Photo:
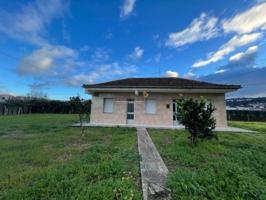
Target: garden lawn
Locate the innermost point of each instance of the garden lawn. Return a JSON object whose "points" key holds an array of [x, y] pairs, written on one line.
{"points": [[42, 157], [232, 167]]}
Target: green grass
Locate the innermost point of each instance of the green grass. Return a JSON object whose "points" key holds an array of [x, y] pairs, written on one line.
{"points": [[42, 157], [232, 167], [256, 126]]}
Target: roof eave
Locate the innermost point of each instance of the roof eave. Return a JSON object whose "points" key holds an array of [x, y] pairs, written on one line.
{"points": [[163, 90]]}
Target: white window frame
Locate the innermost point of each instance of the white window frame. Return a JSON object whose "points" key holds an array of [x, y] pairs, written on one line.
{"points": [[111, 109], [154, 111]]}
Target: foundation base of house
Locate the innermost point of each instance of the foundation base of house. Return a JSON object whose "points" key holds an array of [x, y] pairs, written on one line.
{"points": [[220, 129]]}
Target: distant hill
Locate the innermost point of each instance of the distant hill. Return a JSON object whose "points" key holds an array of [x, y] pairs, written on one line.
{"points": [[258, 103]]}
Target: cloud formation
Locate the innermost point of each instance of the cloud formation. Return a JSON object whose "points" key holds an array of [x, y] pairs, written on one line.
{"points": [[241, 70], [227, 48], [100, 55], [243, 55], [242, 60], [46, 59], [30, 23], [252, 80], [104, 71], [190, 75], [85, 48], [201, 29], [170, 73], [127, 8], [251, 20], [137, 54], [157, 57]]}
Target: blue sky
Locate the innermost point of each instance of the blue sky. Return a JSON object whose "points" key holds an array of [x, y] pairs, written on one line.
{"points": [[55, 46]]}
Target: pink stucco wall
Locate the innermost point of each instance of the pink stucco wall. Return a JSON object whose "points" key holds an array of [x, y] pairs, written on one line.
{"points": [[163, 116]]}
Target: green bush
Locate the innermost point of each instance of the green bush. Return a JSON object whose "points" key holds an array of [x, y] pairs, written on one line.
{"points": [[196, 116]]}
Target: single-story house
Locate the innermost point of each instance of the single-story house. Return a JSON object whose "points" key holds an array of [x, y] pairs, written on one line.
{"points": [[151, 101]]}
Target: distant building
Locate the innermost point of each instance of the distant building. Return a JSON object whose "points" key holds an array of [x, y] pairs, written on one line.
{"points": [[5, 97]]}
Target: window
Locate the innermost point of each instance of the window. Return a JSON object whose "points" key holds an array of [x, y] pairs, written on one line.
{"points": [[108, 105], [150, 106]]}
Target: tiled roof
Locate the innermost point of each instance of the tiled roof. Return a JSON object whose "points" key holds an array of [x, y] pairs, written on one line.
{"points": [[161, 83]]}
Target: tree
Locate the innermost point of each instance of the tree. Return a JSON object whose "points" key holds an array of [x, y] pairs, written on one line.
{"points": [[196, 116], [82, 108]]}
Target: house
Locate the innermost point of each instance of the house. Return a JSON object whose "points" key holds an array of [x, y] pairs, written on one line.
{"points": [[151, 101], [8, 97], [5, 97]]}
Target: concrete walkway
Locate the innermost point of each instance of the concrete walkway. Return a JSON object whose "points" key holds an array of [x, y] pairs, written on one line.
{"points": [[223, 129], [152, 167]]}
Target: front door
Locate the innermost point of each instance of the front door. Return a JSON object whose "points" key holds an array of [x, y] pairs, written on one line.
{"points": [[175, 113], [130, 111]]}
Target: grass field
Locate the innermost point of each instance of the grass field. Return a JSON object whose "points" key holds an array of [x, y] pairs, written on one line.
{"points": [[232, 167], [42, 157]]}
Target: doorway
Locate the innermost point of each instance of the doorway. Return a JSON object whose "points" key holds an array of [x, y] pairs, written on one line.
{"points": [[130, 111]]}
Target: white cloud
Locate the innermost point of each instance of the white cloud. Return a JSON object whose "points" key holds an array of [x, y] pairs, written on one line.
{"points": [[190, 75], [137, 54], [157, 57], [219, 71], [80, 79], [30, 23], [46, 59], [251, 79], [127, 8], [236, 57], [100, 55], [241, 61], [85, 48], [102, 71], [251, 20], [230, 46], [62, 65], [200, 29], [241, 55], [170, 73]]}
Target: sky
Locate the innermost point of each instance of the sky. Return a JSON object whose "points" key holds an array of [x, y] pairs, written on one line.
{"points": [[53, 47]]}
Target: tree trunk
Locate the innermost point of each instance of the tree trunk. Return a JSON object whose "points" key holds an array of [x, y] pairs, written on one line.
{"points": [[81, 125], [193, 138]]}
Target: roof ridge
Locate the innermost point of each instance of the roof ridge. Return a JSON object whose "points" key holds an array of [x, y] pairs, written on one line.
{"points": [[161, 82]]}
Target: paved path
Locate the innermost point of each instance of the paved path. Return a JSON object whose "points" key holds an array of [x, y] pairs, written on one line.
{"points": [[153, 169], [223, 129]]}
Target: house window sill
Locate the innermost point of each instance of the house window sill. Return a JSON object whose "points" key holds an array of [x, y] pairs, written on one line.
{"points": [[150, 113]]}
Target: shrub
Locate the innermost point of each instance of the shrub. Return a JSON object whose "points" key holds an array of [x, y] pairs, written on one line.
{"points": [[196, 116]]}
